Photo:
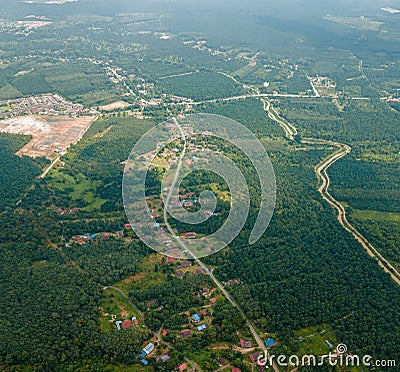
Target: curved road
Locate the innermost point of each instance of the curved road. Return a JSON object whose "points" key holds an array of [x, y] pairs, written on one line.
{"points": [[321, 171], [127, 298]]}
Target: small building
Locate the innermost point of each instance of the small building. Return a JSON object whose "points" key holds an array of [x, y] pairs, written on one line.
{"points": [[245, 344], [105, 235], [185, 333], [164, 332], [196, 318], [165, 358], [150, 303], [118, 324], [221, 361], [179, 273], [254, 357], [144, 362], [198, 271], [261, 368], [202, 327], [234, 369], [184, 265], [126, 324], [270, 342], [182, 367], [148, 349], [213, 300]]}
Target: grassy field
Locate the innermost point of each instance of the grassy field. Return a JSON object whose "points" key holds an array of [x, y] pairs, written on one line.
{"points": [[147, 277], [367, 215], [314, 340], [79, 188], [113, 303]]}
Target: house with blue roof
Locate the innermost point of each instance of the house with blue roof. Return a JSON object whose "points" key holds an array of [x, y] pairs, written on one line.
{"points": [[165, 358], [270, 342], [196, 318], [202, 327]]}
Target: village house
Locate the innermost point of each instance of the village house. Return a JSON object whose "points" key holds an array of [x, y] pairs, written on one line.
{"points": [[254, 357], [185, 333], [245, 344]]}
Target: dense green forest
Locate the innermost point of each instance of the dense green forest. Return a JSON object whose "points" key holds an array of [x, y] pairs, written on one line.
{"points": [[18, 173], [367, 185], [305, 275], [201, 86]]}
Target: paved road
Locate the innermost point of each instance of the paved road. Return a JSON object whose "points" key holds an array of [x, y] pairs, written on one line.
{"points": [[321, 170], [290, 130], [322, 173], [198, 261]]}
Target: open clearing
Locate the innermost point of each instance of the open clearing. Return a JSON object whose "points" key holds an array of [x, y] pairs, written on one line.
{"points": [[114, 106], [49, 134]]}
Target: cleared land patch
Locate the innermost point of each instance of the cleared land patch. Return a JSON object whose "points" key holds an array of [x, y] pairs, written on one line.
{"points": [[114, 106], [49, 134]]}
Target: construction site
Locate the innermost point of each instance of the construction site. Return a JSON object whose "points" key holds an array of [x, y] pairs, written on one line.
{"points": [[50, 135]]}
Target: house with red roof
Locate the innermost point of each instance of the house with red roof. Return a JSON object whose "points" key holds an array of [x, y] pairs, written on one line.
{"points": [[126, 324], [254, 357], [245, 344], [182, 367], [185, 333]]}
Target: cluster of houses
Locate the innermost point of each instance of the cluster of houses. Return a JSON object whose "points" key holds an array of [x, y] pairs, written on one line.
{"points": [[85, 238], [325, 82], [188, 235], [149, 103], [197, 318], [245, 344], [183, 265], [127, 323], [232, 282], [62, 211], [147, 350], [40, 105]]}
